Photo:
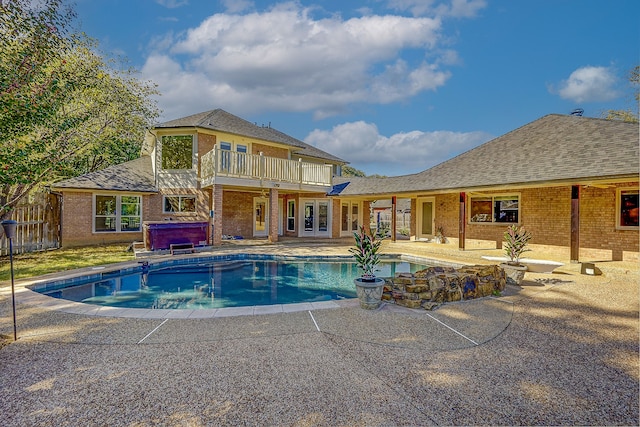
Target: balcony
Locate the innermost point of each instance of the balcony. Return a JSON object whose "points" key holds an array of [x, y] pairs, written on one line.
{"points": [[235, 168]]}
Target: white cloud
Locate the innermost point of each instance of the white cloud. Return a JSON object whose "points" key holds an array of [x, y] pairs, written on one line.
{"points": [[285, 60], [362, 145], [590, 84]]}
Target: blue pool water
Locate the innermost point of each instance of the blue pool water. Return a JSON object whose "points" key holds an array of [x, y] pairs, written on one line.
{"points": [[217, 284]]}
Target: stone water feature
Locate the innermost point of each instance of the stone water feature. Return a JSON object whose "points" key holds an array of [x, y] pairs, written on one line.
{"points": [[433, 286]]}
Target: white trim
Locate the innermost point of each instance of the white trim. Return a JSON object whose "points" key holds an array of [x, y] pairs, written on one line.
{"points": [[350, 204], [619, 208], [493, 196], [180, 197], [289, 202], [419, 202], [118, 213], [257, 233], [314, 232]]}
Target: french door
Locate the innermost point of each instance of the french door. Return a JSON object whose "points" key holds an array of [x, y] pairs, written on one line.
{"points": [[316, 218], [349, 218]]}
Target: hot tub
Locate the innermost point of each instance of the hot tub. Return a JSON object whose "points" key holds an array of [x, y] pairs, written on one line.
{"points": [[161, 235]]}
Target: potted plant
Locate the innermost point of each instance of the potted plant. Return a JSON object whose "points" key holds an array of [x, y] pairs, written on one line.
{"points": [[366, 253], [516, 239], [440, 237]]}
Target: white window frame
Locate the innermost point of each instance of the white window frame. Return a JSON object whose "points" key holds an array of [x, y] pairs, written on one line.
{"points": [[194, 160], [180, 197], [291, 214], [493, 198], [118, 213], [619, 192]]}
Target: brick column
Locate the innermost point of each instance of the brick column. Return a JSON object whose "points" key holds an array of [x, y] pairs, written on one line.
{"points": [[273, 215], [217, 214]]}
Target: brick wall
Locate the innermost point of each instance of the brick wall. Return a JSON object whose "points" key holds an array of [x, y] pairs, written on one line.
{"points": [[77, 217], [206, 143], [598, 233], [446, 210], [153, 205], [267, 150], [546, 213], [237, 213]]}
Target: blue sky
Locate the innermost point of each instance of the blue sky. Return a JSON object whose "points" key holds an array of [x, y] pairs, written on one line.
{"points": [[392, 86]]}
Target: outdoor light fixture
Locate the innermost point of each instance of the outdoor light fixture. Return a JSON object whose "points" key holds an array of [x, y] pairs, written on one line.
{"points": [[10, 227]]}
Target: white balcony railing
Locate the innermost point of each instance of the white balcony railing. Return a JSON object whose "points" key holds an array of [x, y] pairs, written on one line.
{"points": [[232, 164]]}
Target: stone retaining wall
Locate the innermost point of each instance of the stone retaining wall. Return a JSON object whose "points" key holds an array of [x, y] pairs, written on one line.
{"points": [[433, 286]]}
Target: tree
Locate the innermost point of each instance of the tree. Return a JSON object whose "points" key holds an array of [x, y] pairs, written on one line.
{"points": [[73, 113], [628, 115], [351, 171]]}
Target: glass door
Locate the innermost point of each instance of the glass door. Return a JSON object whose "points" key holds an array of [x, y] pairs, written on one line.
{"points": [[316, 218], [260, 217], [308, 217], [349, 218]]}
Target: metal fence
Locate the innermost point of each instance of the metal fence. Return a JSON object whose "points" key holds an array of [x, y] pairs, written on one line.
{"points": [[38, 227]]}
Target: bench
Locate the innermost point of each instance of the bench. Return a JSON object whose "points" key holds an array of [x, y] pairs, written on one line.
{"points": [[181, 248]]}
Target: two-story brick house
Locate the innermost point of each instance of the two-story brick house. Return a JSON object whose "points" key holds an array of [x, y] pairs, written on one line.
{"points": [[240, 179]]}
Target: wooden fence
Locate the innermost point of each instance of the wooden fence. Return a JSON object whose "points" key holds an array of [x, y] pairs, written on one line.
{"points": [[38, 227]]}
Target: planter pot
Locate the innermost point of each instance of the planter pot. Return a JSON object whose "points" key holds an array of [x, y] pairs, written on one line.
{"points": [[515, 273], [369, 293]]}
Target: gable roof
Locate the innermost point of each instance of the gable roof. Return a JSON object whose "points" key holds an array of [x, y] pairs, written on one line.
{"points": [[553, 149], [220, 120], [135, 176]]}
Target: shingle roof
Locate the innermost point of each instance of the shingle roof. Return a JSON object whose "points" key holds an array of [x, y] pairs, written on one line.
{"points": [[554, 148], [135, 176], [221, 120]]}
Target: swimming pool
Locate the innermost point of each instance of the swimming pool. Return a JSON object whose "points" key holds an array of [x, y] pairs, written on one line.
{"points": [[204, 283]]}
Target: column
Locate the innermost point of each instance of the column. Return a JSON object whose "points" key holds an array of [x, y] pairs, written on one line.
{"points": [[274, 218], [217, 214]]}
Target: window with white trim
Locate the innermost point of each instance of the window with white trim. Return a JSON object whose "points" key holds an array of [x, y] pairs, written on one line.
{"points": [[291, 215], [495, 209], [627, 211], [179, 203], [113, 213], [177, 152]]}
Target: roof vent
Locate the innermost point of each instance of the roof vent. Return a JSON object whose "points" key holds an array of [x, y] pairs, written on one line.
{"points": [[577, 112]]}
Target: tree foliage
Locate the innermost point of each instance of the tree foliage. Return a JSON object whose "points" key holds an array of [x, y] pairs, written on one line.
{"points": [[351, 171], [628, 115], [64, 109]]}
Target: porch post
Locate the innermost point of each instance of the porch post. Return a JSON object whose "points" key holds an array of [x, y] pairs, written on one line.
{"points": [[462, 222], [575, 223], [273, 215], [366, 215], [413, 223], [217, 214], [393, 218]]}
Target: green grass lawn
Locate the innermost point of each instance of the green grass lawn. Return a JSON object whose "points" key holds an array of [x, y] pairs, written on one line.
{"points": [[51, 261]]}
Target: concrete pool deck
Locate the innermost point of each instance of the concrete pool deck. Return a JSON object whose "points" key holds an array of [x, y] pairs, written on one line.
{"points": [[561, 349]]}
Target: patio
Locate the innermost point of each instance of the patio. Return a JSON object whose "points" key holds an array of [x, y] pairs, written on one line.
{"points": [[562, 349]]}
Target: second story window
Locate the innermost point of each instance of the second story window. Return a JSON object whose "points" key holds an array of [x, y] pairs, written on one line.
{"points": [[177, 152]]}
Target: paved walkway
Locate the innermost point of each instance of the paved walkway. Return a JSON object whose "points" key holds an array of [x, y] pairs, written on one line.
{"points": [[561, 349]]}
